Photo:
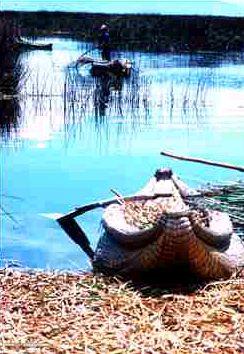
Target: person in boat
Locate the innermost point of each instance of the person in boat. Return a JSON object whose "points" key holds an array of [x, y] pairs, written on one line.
{"points": [[104, 42], [16, 32]]}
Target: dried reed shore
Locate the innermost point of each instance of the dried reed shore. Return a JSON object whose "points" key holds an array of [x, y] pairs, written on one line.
{"points": [[53, 312]]}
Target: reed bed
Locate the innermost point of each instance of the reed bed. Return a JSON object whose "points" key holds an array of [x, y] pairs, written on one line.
{"points": [[51, 312]]}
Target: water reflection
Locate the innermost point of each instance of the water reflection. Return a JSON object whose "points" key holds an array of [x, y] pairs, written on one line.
{"points": [[9, 117], [68, 137], [12, 75], [105, 84], [104, 99], [213, 60], [163, 88]]}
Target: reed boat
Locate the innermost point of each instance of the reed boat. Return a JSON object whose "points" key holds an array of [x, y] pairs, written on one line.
{"points": [[118, 67], [159, 230], [23, 45]]}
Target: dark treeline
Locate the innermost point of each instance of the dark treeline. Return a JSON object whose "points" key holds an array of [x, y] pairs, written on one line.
{"points": [[11, 74], [144, 32]]}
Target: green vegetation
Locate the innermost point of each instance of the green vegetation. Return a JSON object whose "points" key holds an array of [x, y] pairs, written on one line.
{"points": [[143, 32]]}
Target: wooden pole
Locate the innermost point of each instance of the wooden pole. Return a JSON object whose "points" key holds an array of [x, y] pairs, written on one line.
{"points": [[105, 203], [206, 162], [71, 227]]}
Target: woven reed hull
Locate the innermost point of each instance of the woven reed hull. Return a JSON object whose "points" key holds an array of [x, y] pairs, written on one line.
{"points": [[117, 228], [98, 70], [102, 67], [178, 240], [218, 233], [175, 246]]}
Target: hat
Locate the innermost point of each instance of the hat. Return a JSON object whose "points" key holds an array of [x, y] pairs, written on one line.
{"points": [[104, 27]]}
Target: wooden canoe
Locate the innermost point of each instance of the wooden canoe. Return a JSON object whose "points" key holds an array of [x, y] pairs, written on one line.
{"points": [[22, 46]]}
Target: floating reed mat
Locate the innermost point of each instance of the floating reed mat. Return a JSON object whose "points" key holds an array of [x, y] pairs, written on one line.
{"points": [[48, 312]]}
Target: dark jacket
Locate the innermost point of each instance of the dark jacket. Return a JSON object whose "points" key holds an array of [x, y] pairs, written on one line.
{"points": [[104, 39]]}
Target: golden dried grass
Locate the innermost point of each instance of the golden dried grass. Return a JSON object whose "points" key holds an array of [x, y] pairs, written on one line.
{"points": [[51, 312]]}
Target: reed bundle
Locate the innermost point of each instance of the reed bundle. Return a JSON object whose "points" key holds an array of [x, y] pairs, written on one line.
{"points": [[144, 214], [85, 313], [227, 198]]}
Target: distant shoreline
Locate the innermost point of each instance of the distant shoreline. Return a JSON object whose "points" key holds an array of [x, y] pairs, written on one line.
{"points": [[174, 33]]}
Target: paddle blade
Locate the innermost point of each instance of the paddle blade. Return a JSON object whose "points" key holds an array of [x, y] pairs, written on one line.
{"points": [[74, 231], [52, 216]]}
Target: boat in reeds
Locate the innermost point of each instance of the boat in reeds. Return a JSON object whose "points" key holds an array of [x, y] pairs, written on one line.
{"points": [[118, 67], [21, 45], [158, 229]]}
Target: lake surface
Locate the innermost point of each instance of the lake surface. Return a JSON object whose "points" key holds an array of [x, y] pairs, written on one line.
{"points": [[69, 138]]}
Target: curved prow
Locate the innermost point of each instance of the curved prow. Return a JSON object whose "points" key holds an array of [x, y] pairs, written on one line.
{"points": [[85, 59]]}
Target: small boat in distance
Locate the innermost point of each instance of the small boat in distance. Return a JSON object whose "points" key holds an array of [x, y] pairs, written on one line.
{"points": [[118, 67], [21, 45]]}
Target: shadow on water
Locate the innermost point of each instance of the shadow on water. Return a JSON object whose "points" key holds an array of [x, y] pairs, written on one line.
{"points": [[9, 117], [12, 78], [105, 85], [107, 98]]}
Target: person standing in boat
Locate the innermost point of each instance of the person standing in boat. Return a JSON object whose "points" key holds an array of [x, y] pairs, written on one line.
{"points": [[104, 42]]}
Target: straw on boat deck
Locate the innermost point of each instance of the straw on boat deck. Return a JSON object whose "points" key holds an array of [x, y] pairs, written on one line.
{"points": [[52, 312]]}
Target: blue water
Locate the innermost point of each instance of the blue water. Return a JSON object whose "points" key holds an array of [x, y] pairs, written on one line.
{"points": [[201, 7], [66, 147]]}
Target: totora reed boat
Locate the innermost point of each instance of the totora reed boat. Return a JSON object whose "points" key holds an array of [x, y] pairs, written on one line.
{"points": [[158, 229], [165, 233], [117, 67]]}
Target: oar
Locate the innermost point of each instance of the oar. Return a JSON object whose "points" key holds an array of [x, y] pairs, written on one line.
{"points": [[71, 227], [89, 50], [206, 162], [83, 54]]}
